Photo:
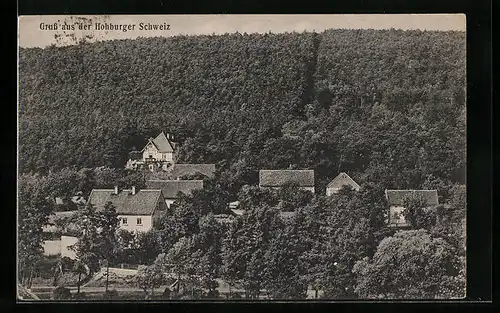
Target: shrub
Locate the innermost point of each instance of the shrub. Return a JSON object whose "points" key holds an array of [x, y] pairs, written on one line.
{"points": [[79, 296], [61, 293], [110, 294], [212, 294]]}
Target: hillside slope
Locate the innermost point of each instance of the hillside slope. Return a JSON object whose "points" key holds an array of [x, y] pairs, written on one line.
{"points": [[384, 105]]}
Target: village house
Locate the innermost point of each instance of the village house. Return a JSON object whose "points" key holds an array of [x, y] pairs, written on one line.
{"points": [[276, 179], [158, 153], [171, 188], [338, 182], [395, 198], [137, 210]]}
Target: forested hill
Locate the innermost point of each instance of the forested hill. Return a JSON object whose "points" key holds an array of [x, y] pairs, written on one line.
{"points": [[385, 106]]}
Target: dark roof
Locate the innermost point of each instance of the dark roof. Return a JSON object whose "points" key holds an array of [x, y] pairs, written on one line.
{"points": [[179, 170], [142, 203], [170, 188], [276, 178], [395, 197], [341, 180], [161, 143], [287, 215]]}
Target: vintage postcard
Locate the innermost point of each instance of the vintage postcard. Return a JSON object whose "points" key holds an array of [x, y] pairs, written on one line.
{"points": [[241, 157]]}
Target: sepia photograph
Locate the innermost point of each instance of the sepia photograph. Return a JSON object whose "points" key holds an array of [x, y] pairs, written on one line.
{"points": [[241, 157]]}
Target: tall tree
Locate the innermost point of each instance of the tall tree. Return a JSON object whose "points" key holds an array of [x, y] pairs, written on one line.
{"points": [[34, 208], [411, 265], [108, 231]]}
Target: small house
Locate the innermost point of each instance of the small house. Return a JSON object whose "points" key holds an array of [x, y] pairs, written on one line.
{"points": [[340, 181], [276, 179], [158, 153], [395, 198], [138, 210]]}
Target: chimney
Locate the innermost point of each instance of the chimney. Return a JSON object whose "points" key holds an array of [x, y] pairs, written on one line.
{"points": [[133, 190], [116, 190]]}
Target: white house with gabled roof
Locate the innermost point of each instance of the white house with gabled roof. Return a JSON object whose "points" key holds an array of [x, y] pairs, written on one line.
{"points": [[340, 181]]}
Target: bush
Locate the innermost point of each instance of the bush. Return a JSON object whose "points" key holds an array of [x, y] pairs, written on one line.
{"points": [[61, 293], [110, 294], [79, 296], [212, 294]]}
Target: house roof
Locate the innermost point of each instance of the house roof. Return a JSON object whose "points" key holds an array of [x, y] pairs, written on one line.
{"points": [[179, 170], [395, 197], [78, 199], [238, 211], [142, 203], [341, 180], [170, 188], [287, 215], [53, 218], [276, 178], [161, 143]]}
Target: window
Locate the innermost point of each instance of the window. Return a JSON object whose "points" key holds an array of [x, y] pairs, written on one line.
{"points": [[124, 221], [139, 221]]}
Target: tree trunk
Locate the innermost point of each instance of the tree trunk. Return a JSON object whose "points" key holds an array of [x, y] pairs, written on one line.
{"points": [[30, 278], [315, 293], [107, 277], [79, 279], [178, 283]]}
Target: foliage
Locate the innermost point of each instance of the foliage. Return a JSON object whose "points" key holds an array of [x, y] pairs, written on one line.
{"points": [[417, 213], [97, 238], [149, 278], [411, 265], [110, 294], [316, 101], [61, 293], [283, 270], [247, 102], [33, 212]]}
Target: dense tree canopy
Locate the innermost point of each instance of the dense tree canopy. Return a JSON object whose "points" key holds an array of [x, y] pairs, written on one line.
{"points": [[383, 105]]}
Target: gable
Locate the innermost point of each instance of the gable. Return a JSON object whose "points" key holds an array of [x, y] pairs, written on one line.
{"points": [[162, 144], [341, 180]]}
